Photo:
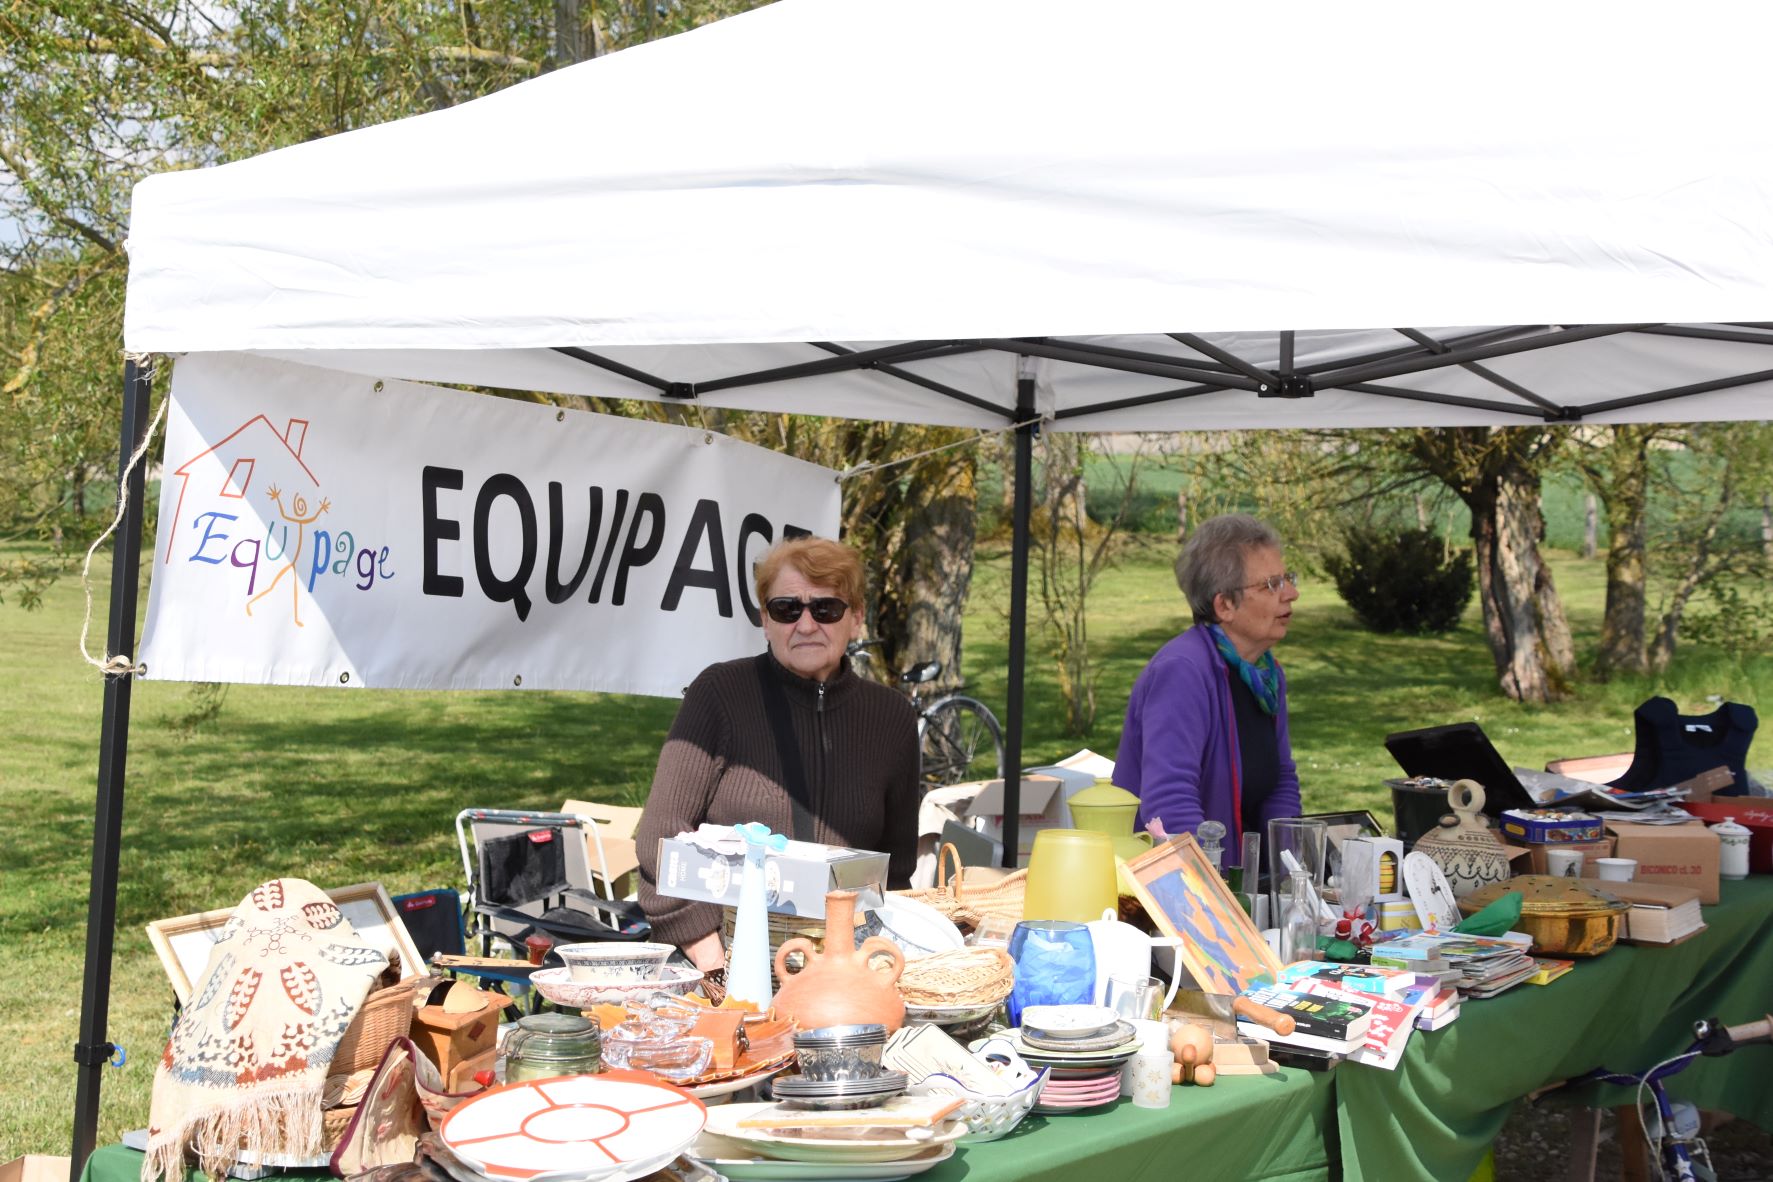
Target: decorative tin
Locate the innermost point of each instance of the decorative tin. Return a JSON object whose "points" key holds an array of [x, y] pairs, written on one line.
{"points": [[1551, 826], [1464, 847], [1564, 916]]}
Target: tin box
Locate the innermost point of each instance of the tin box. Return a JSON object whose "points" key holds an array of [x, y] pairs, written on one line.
{"points": [[1550, 826]]}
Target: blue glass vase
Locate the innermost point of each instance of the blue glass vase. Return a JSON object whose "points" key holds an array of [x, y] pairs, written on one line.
{"points": [[1055, 965]]}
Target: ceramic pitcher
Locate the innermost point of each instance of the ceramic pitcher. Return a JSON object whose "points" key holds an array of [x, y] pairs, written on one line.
{"points": [[1464, 846], [838, 987], [1124, 951]]}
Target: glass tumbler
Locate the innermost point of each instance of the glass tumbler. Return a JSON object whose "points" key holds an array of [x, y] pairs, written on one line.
{"points": [[1055, 965]]}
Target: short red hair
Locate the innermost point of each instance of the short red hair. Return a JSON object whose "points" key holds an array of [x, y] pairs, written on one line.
{"points": [[819, 560]]}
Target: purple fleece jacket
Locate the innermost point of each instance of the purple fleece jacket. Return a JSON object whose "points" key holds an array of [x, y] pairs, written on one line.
{"points": [[1178, 752]]}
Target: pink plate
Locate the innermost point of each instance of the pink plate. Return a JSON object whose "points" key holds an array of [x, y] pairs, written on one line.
{"points": [[579, 1127]]}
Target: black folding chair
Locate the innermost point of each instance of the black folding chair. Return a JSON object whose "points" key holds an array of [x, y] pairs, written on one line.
{"points": [[533, 873]]}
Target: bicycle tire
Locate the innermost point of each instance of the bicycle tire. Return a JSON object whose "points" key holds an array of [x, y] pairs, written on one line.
{"points": [[952, 734]]}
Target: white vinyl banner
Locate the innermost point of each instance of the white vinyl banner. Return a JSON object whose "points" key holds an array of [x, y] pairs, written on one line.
{"points": [[321, 528]]}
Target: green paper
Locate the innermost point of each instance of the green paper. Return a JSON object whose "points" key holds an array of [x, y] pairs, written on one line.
{"points": [[1498, 917]]}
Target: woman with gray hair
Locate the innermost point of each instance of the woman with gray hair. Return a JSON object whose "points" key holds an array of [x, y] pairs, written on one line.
{"points": [[1206, 731]]}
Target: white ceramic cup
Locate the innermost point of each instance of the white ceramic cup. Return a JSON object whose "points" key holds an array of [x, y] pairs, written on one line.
{"points": [[1564, 863], [1616, 869]]}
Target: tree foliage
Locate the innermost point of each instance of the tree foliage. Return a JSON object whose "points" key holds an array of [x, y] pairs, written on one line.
{"points": [[1405, 580], [97, 94]]}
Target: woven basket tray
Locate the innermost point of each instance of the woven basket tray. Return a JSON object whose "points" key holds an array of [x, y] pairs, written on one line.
{"points": [[386, 1015], [958, 977], [333, 1123]]}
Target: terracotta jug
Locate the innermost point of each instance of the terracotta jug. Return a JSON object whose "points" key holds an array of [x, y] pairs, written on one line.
{"points": [[837, 987]]}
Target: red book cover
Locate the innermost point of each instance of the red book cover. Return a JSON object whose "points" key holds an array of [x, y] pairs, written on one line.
{"points": [[1388, 1031]]}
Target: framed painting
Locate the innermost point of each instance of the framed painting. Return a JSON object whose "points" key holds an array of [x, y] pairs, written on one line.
{"points": [[1185, 897], [183, 942]]}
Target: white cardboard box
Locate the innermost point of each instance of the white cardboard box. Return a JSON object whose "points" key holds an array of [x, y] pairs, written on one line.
{"points": [[798, 877], [1042, 807]]}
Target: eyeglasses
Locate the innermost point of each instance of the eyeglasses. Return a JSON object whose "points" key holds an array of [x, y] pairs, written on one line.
{"points": [[1272, 582], [827, 609]]}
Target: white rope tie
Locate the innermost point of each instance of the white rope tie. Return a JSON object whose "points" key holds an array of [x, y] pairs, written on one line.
{"points": [[114, 665], [979, 437]]}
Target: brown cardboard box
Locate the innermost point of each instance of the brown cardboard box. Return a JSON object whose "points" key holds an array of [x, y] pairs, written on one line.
{"points": [[35, 1167], [615, 828], [1680, 855], [1536, 862], [460, 1026]]}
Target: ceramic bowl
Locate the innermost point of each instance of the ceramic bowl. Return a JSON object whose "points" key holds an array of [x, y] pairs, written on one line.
{"points": [[559, 987], [615, 962]]}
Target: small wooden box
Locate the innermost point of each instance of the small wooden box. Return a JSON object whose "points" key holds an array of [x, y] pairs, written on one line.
{"points": [[450, 1037]]}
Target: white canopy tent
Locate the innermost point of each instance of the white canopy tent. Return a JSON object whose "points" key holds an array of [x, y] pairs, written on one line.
{"points": [[1172, 215]]}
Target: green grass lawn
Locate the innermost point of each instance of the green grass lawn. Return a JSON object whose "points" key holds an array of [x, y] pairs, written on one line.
{"points": [[342, 786]]}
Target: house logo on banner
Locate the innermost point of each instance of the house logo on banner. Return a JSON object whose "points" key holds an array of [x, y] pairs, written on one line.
{"points": [[258, 472]]}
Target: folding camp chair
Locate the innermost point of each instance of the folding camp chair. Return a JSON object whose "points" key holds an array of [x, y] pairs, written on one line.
{"points": [[434, 921], [531, 873]]}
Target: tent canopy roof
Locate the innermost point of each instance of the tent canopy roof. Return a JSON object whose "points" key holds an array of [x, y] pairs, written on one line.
{"points": [[1179, 210]]}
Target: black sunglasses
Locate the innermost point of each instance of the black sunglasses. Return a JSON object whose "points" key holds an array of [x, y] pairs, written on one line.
{"points": [[827, 609]]}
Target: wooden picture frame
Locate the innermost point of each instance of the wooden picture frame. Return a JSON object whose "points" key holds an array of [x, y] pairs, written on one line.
{"points": [[183, 942], [1185, 897]]}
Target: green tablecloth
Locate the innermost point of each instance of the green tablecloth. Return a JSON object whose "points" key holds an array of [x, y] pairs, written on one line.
{"points": [[1436, 1115]]}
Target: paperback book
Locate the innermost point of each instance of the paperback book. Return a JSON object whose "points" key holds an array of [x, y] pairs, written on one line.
{"points": [[1388, 1028], [1363, 979], [1336, 1024]]}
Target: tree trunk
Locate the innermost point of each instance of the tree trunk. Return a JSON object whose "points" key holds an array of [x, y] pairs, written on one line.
{"points": [[924, 582], [1591, 524], [1181, 516], [569, 35], [1622, 626], [1523, 617], [1662, 649], [1767, 526]]}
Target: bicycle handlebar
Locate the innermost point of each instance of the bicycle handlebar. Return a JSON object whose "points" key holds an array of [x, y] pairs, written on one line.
{"points": [[1719, 1039]]}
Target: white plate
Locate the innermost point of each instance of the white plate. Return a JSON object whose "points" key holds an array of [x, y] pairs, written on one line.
{"points": [[1075, 1021], [766, 1169], [949, 1015], [726, 1087], [724, 1121], [917, 927], [621, 1124]]}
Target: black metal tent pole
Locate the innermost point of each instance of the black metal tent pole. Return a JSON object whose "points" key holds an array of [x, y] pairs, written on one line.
{"points": [[93, 1050], [1012, 748]]}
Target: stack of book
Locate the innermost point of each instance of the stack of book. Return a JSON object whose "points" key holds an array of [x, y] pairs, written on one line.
{"points": [[1660, 914], [1480, 966], [1334, 1024], [1363, 979], [1391, 1019], [1438, 1006]]}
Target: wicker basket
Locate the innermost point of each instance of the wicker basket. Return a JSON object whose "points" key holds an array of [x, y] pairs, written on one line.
{"points": [[967, 905], [386, 1015], [334, 1122], [958, 977]]}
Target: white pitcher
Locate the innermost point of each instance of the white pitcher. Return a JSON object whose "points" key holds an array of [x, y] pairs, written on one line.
{"points": [[1122, 950]]}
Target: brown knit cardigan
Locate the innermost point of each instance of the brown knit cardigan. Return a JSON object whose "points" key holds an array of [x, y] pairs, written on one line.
{"points": [[858, 744]]}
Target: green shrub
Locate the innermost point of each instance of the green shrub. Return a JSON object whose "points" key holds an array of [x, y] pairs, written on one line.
{"points": [[1402, 580]]}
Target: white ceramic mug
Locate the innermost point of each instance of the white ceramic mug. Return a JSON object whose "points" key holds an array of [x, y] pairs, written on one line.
{"points": [[1564, 863], [1616, 869]]}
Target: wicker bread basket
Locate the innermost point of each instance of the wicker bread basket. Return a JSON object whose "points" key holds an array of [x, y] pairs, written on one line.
{"points": [[958, 977], [966, 904], [386, 1015]]}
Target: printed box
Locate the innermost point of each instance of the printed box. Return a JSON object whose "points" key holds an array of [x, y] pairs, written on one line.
{"points": [[798, 877], [1680, 855]]}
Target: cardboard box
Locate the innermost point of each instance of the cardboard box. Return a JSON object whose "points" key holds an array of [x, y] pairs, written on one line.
{"points": [[1042, 806], [35, 1167], [798, 877], [615, 829], [1680, 855], [1536, 862], [459, 1024]]}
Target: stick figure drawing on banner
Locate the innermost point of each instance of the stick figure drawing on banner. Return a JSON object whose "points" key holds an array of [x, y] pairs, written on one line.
{"points": [[295, 516]]}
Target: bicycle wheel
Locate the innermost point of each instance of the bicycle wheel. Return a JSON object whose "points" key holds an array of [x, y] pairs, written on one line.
{"points": [[961, 741]]}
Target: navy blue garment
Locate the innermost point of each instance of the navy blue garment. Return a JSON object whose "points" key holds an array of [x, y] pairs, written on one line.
{"points": [[1672, 747]]}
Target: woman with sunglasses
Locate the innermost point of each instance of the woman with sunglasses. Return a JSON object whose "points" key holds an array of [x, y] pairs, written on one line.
{"points": [[792, 737], [1206, 730]]}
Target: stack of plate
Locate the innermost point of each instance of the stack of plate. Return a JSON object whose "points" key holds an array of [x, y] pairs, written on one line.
{"points": [[1074, 1091], [877, 1154], [838, 1093]]}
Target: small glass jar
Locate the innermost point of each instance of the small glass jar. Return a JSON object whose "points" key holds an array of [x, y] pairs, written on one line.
{"points": [[547, 1045]]}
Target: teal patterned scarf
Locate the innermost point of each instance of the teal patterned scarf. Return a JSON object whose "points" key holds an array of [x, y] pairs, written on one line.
{"points": [[1263, 677]]}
